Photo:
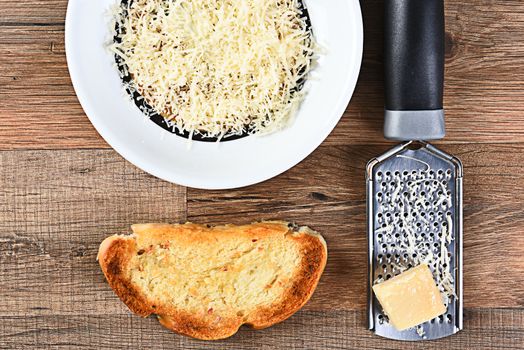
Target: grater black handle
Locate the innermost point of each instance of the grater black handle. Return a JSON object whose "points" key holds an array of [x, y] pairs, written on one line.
{"points": [[414, 69]]}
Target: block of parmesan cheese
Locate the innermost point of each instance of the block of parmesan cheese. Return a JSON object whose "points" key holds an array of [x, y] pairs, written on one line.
{"points": [[410, 298]]}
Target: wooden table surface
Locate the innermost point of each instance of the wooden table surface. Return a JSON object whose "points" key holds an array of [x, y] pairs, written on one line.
{"points": [[63, 189]]}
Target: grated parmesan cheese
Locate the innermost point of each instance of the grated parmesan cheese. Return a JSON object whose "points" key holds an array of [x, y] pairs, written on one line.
{"points": [[420, 331], [216, 67]]}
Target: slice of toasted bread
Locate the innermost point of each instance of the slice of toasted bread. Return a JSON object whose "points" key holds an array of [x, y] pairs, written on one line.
{"points": [[206, 282]]}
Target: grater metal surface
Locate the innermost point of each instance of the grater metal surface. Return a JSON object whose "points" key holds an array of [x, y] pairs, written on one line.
{"points": [[414, 209]]}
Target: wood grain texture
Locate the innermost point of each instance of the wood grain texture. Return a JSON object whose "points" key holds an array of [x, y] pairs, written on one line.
{"points": [[484, 329], [55, 209], [36, 95], [483, 94], [32, 12]]}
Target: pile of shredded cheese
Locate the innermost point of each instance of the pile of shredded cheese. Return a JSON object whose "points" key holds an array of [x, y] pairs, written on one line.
{"points": [[216, 67]]}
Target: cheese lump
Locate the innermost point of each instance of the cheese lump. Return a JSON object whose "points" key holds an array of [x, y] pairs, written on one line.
{"points": [[216, 67], [410, 298]]}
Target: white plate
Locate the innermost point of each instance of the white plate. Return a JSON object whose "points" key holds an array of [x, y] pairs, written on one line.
{"points": [[337, 26]]}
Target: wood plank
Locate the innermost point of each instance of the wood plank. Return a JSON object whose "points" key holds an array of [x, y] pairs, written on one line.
{"points": [[484, 329], [32, 12], [327, 192], [38, 105], [483, 95], [55, 209]]}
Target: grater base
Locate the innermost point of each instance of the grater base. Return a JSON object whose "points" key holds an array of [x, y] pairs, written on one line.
{"points": [[414, 205]]}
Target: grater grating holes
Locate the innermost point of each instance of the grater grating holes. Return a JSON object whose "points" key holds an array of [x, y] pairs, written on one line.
{"points": [[399, 193]]}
